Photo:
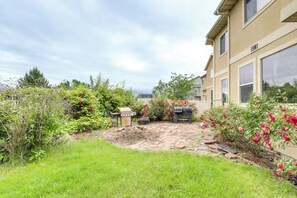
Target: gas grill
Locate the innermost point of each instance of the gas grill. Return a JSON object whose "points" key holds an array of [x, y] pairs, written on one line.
{"points": [[182, 113], [124, 116]]}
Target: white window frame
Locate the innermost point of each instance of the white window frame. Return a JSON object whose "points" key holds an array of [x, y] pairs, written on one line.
{"points": [[250, 83], [226, 43], [255, 62], [227, 99]]}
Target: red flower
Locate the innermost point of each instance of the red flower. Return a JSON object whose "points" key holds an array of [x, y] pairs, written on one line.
{"points": [[281, 166], [240, 129], [295, 163], [211, 119], [291, 174], [256, 139], [286, 137], [201, 117], [284, 128], [225, 116], [271, 117], [265, 132]]}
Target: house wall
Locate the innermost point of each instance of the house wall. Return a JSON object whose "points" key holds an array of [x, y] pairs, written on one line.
{"points": [[221, 61], [270, 36], [208, 83]]}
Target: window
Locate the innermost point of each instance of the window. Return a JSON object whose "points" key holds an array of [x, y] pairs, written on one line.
{"points": [[252, 7], [279, 73], [224, 43], [245, 82], [224, 86]]}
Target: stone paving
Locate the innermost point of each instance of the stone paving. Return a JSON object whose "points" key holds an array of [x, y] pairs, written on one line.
{"points": [[162, 136]]}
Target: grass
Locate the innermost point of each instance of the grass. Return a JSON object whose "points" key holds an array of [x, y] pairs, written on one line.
{"points": [[94, 168]]}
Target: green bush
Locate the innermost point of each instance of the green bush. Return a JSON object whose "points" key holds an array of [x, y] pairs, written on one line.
{"points": [[33, 116], [159, 109], [137, 107], [82, 102], [111, 97], [238, 124], [86, 124]]}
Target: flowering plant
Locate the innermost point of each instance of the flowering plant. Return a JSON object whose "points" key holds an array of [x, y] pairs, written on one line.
{"points": [[279, 129], [286, 169]]}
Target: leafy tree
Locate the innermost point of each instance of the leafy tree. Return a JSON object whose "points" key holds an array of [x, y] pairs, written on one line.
{"points": [[177, 88], [34, 78]]}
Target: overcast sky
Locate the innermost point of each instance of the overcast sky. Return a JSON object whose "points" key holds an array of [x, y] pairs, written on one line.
{"points": [[137, 41]]}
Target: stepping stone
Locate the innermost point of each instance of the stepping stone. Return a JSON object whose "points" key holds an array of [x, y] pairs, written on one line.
{"points": [[213, 146], [180, 145], [226, 148], [231, 156], [210, 141]]}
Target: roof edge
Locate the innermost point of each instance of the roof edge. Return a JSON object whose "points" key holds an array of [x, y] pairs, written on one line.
{"points": [[207, 64]]}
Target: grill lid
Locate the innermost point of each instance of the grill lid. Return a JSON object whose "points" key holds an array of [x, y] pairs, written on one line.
{"points": [[178, 110]]}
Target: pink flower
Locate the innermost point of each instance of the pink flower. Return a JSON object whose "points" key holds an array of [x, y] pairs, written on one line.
{"points": [[256, 139], [240, 129], [284, 128], [271, 117], [281, 166], [295, 163], [201, 117], [291, 173], [286, 137], [265, 132]]}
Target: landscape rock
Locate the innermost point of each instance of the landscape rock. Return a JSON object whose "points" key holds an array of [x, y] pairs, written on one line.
{"points": [[231, 156]]}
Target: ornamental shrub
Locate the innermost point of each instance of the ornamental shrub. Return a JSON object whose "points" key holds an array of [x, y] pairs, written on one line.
{"points": [[238, 124], [82, 102], [287, 168], [159, 109], [85, 124], [33, 116]]}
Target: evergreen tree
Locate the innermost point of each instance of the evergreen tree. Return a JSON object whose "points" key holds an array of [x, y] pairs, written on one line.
{"points": [[34, 78]]}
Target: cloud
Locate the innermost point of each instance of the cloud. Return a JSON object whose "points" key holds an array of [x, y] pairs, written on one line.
{"points": [[129, 62], [137, 41]]}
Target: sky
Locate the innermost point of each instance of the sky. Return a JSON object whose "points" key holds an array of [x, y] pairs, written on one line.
{"points": [[136, 41]]}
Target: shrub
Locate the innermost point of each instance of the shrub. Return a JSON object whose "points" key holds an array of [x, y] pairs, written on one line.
{"points": [[159, 108], [86, 124], [287, 168], [82, 102], [137, 107], [238, 124], [33, 116]]}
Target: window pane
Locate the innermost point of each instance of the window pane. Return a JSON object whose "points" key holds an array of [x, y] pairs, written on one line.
{"points": [[245, 92], [246, 74], [224, 84], [262, 3], [250, 9], [280, 73], [222, 43]]}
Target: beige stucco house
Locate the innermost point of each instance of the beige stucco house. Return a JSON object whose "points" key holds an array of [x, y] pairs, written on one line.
{"points": [[254, 47], [254, 50], [207, 81]]}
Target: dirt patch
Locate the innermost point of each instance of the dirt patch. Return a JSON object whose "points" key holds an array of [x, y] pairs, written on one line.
{"points": [[162, 136], [132, 135]]}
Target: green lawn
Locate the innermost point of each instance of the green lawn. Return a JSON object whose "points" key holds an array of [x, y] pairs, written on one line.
{"points": [[94, 168]]}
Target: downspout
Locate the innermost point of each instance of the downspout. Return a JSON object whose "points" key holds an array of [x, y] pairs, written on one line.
{"points": [[213, 78]]}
